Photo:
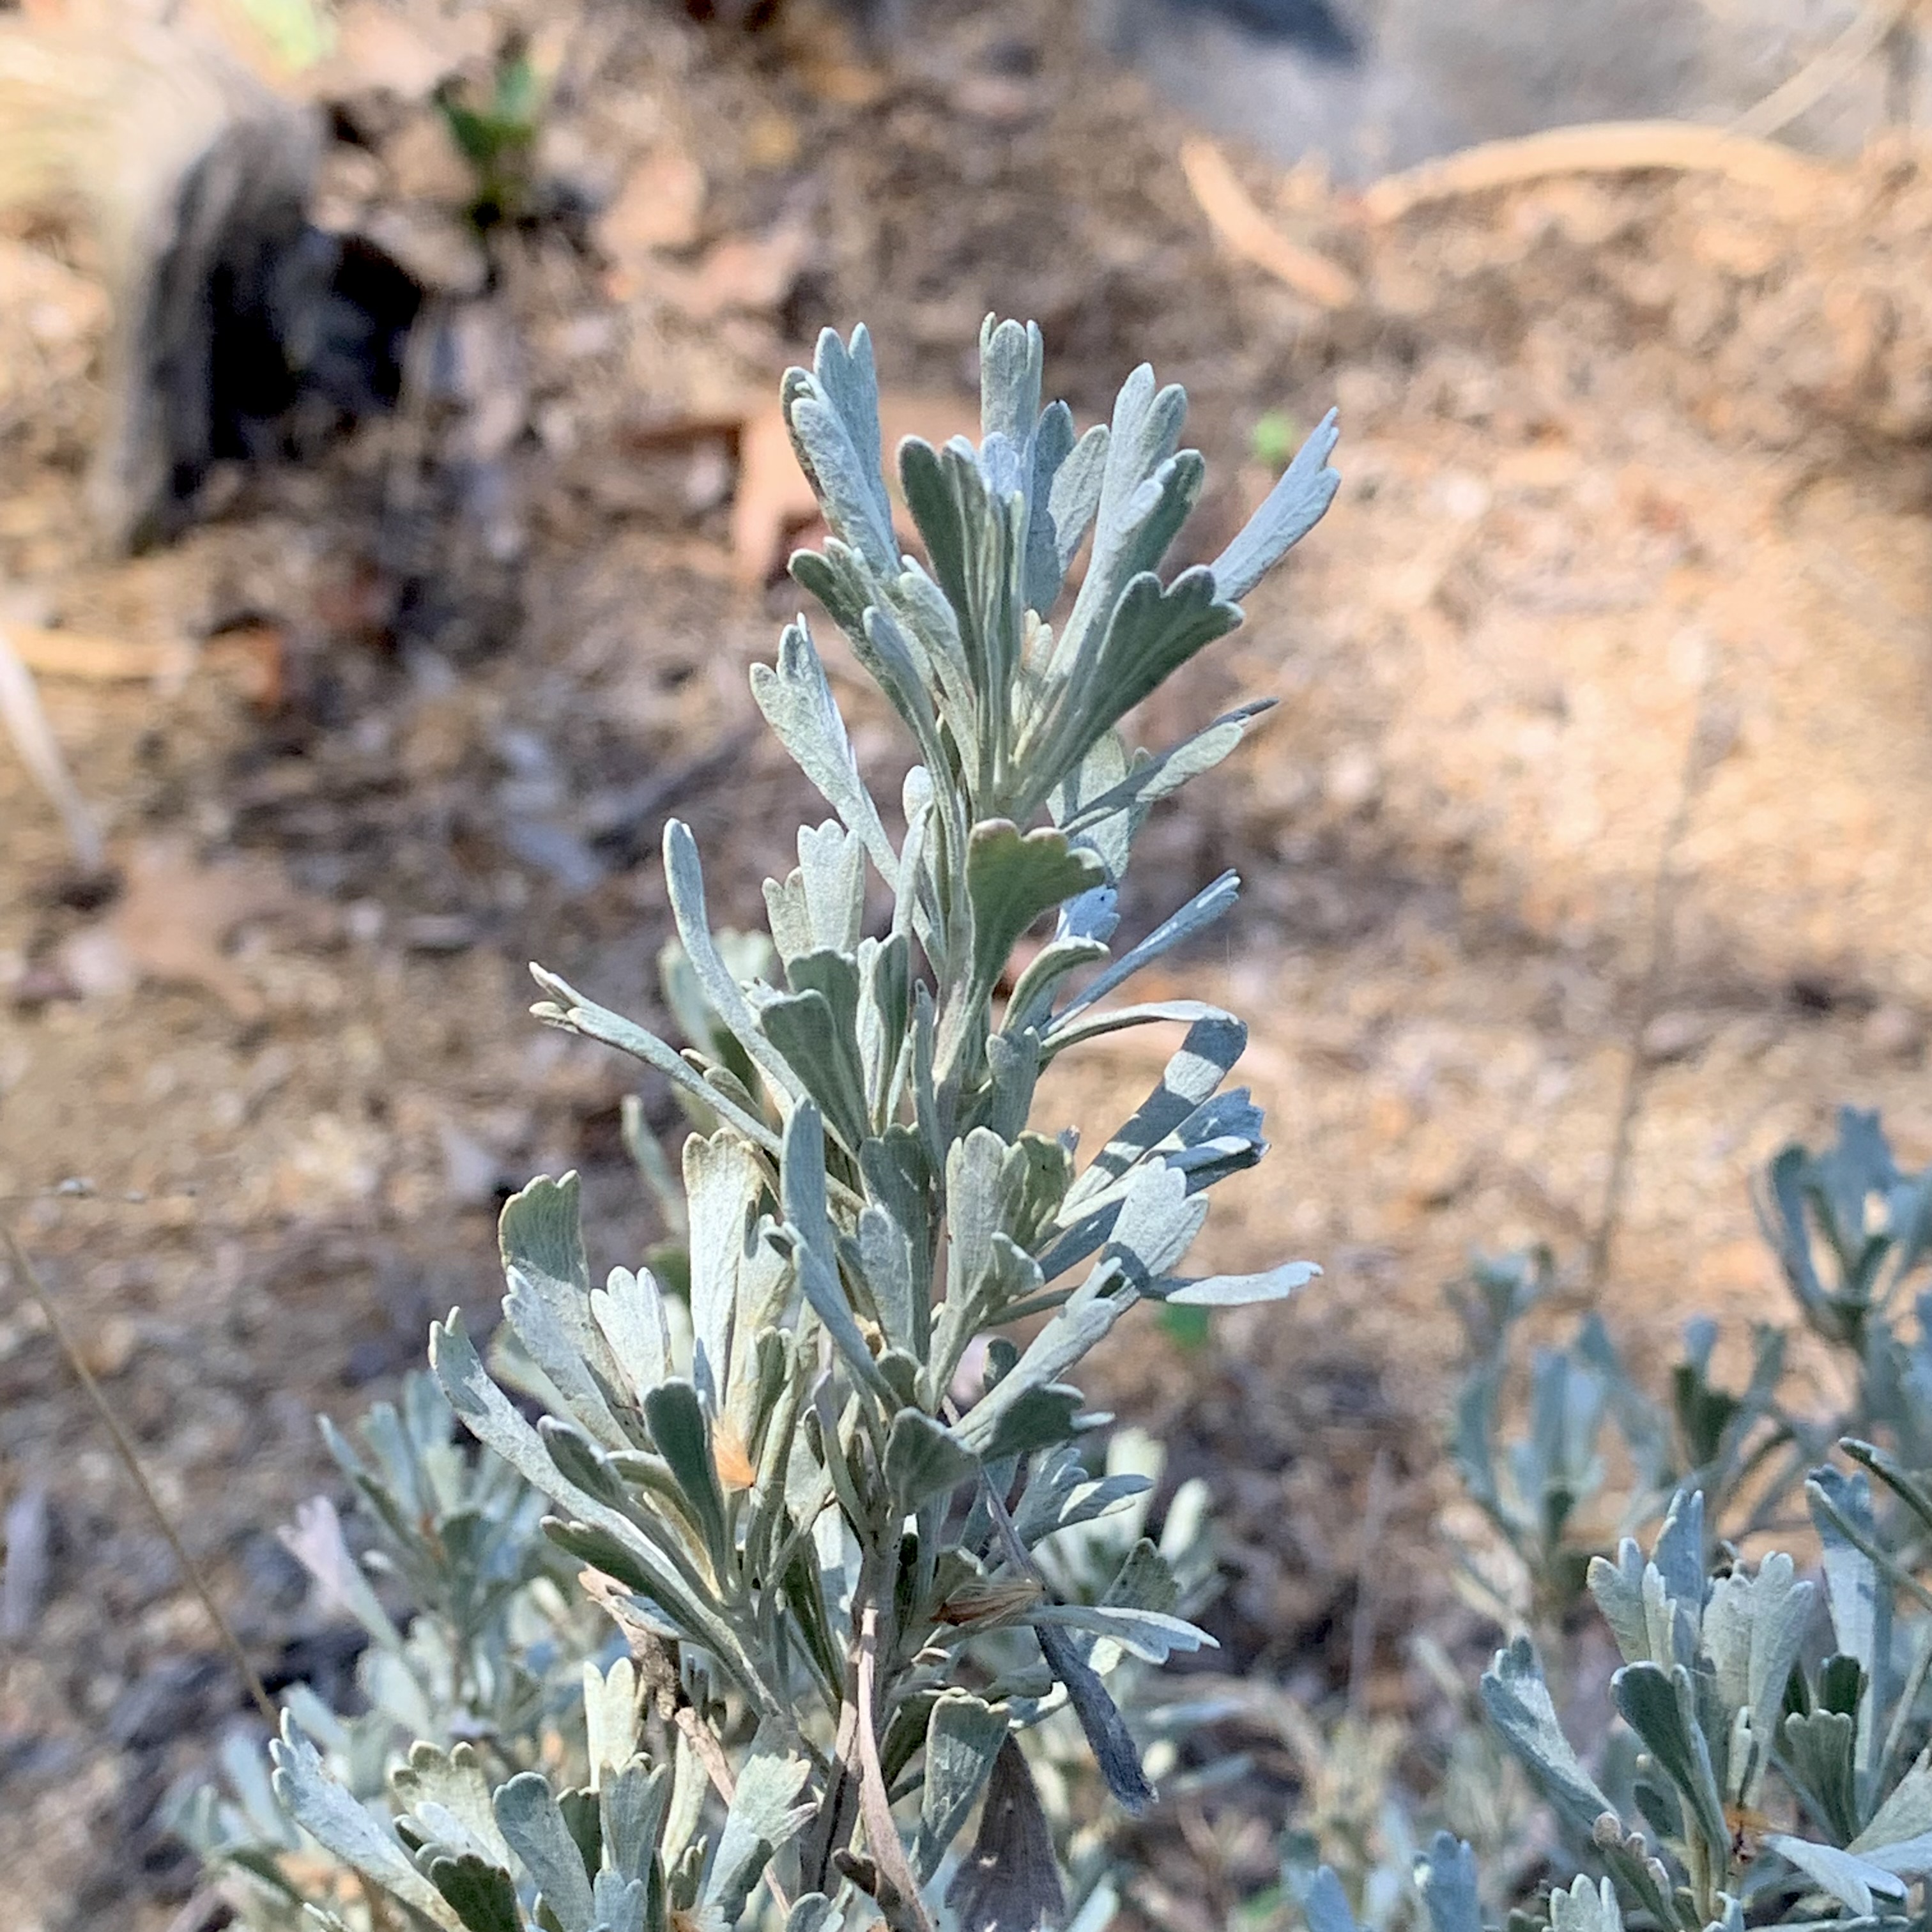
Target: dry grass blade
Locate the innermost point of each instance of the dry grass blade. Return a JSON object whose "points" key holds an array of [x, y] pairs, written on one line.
{"points": [[1246, 232], [1604, 147], [33, 737], [30, 1279]]}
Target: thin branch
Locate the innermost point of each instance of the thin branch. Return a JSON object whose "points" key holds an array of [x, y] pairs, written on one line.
{"points": [[1700, 754], [30, 1277], [882, 1835]]}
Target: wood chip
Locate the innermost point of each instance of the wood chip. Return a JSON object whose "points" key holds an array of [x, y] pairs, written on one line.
{"points": [[49, 653], [1245, 232]]}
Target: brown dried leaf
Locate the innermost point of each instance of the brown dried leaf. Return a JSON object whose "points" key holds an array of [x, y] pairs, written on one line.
{"points": [[660, 206], [175, 916], [744, 272]]}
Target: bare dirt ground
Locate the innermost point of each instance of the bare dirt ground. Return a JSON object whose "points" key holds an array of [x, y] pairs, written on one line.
{"points": [[1628, 583]]}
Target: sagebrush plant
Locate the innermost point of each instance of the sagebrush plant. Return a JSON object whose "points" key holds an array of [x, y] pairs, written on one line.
{"points": [[1764, 1759], [831, 1508]]}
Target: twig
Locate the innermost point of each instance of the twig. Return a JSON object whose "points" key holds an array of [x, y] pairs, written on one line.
{"points": [[1247, 233], [1602, 147], [39, 750], [1698, 757], [30, 1276], [875, 1807], [1860, 40], [1362, 1628], [97, 660]]}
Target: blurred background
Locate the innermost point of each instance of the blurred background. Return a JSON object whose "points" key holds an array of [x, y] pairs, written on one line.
{"points": [[392, 498]]}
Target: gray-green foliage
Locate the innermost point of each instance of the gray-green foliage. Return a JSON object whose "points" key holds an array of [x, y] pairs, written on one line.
{"points": [[1766, 1756], [832, 1506]]}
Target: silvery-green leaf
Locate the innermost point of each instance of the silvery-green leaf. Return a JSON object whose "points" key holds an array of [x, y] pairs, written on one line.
{"points": [[488, 1415], [1841, 1508], [1141, 442], [629, 1312], [1851, 1880], [1012, 878], [1585, 1907], [1236, 1291], [1677, 1555], [610, 1716], [832, 866], [1032, 993], [1053, 447], [1157, 1225], [813, 1913], [1009, 1880], [353, 1832], [316, 1541], [1011, 354], [1075, 497], [454, 1781], [722, 1182], [1518, 1702], [1908, 1858], [1117, 1019], [1617, 1588], [885, 1013], [1155, 629], [885, 1255], [528, 1815], [678, 1428], [798, 704], [548, 1304], [1325, 1905], [1905, 1815], [1073, 1329], [807, 1240], [1753, 1629], [684, 879], [1152, 1635], [569, 1009], [816, 1027], [963, 1737], [1038, 1416], [1661, 1707], [1062, 1496], [634, 1805], [482, 1895], [924, 1459], [620, 1902], [1821, 1750], [833, 414], [1106, 1730], [764, 1814], [1289, 511], [1199, 913], [1146, 784], [1215, 1041], [1445, 1874], [1861, 1603]]}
